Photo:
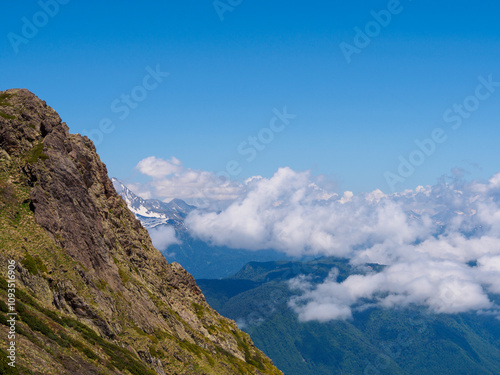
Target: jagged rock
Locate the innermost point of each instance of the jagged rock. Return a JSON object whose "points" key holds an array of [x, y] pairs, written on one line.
{"points": [[92, 262]]}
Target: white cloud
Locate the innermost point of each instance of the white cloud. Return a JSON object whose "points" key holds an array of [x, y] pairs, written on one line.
{"points": [[163, 236], [170, 179], [440, 245], [425, 237], [289, 213], [444, 287], [156, 167], [489, 267]]}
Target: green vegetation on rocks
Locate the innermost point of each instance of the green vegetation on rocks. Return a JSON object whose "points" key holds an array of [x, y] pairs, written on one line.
{"points": [[93, 294]]}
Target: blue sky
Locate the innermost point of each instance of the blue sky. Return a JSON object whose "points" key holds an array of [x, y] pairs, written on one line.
{"points": [[353, 120]]}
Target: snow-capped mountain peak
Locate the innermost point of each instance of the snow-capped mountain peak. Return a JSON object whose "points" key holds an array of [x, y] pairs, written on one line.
{"points": [[153, 212]]}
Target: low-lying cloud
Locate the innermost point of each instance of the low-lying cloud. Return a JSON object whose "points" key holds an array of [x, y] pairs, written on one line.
{"points": [[440, 245], [163, 236], [290, 213]]}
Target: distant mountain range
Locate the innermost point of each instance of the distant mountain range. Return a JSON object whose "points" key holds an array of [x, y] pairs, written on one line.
{"points": [[376, 341], [253, 288], [153, 212], [199, 258]]}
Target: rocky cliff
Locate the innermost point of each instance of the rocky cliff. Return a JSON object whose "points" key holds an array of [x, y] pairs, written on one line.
{"points": [[93, 294]]}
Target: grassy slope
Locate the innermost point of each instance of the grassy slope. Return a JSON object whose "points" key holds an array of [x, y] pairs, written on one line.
{"points": [[48, 341]]}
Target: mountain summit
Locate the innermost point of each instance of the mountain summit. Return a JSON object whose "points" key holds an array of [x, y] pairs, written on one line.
{"points": [[153, 212], [93, 295]]}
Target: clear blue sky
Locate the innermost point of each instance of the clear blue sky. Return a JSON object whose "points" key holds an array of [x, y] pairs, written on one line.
{"points": [[353, 120]]}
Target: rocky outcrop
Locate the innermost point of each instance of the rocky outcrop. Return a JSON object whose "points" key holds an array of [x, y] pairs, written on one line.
{"points": [[88, 270]]}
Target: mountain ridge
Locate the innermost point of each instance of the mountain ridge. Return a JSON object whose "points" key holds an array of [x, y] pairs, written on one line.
{"points": [[94, 295], [201, 259], [153, 212]]}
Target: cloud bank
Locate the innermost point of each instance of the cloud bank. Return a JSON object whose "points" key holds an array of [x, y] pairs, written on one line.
{"points": [[163, 236], [170, 179], [440, 245]]}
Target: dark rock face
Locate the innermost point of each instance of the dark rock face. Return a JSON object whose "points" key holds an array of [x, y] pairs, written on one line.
{"points": [[97, 263]]}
